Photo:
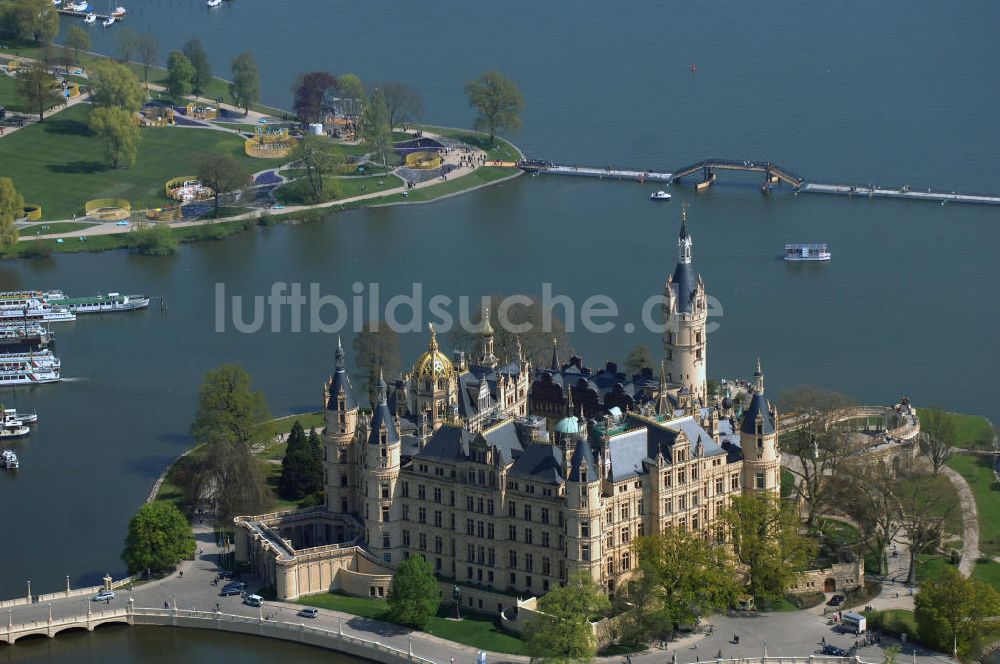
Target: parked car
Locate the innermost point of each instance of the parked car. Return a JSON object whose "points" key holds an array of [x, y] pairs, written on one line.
{"points": [[234, 588], [834, 651], [104, 596], [836, 600], [308, 613], [254, 600]]}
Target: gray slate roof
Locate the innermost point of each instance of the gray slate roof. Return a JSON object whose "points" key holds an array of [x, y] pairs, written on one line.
{"points": [[539, 462]]}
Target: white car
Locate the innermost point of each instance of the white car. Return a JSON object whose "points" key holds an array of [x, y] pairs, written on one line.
{"points": [[104, 596]]}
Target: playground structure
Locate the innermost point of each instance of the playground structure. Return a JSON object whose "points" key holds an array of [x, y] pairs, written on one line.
{"points": [[155, 116], [423, 160], [169, 213], [32, 212], [201, 112], [187, 188], [108, 209], [269, 143]]}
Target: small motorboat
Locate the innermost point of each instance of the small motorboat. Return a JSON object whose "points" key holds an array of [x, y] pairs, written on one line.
{"points": [[119, 12], [9, 460], [659, 196], [109, 21], [78, 6], [56, 2], [214, 3], [90, 18]]}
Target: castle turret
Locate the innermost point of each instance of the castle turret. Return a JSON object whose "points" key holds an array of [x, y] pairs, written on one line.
{"points": [[583, 513], [340, 415], [487, 359], [685, 314], [759, 441], [383, 512]]}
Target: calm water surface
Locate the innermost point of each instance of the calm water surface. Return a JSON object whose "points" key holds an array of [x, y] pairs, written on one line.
{"points": [[892, 94]]}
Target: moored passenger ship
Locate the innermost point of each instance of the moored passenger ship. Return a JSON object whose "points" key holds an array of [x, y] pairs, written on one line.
{"points": [[34, 310], [806, 252], [26, 374], [98, 303]]}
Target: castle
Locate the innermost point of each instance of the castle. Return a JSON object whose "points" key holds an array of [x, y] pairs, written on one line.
{"points": [[507, 478]]}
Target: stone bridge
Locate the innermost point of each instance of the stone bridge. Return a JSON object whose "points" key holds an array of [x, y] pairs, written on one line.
{"points": [[51, 627]]}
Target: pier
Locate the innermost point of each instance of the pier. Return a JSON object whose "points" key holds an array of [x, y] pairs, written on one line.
{"points": [[774, 175]]}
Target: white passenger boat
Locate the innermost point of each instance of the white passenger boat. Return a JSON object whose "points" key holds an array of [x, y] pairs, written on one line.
{"points": [[23, 375], [11, 427], [43, 358], [35, 311], [98, 303], [806, 252], [659, 196], [8, 460]]}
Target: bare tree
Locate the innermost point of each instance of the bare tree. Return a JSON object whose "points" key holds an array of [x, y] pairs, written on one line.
{"points": [[403, 102], [924, 507], [937, 434], [938, 451], [868, 498]]}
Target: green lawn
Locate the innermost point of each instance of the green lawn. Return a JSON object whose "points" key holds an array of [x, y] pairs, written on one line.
{"points": [[988, 571], [480, 176], [291, 194], [930, 568], [11, 97], [503, 150], [307, 420], [897, 621], [971, 431], [60, 165], [978, 472], [474, 630]]}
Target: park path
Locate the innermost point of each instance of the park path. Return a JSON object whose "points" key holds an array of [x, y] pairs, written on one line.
{"points": [[970, 520]]}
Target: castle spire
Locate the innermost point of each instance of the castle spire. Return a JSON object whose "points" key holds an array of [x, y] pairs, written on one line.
{"points": [[339, 355], [555, 355], [381, 398], [758, 379], [433, 345], [684, 239]]}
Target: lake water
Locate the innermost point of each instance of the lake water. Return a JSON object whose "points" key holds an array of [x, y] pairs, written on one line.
{"points": [[900, 93]]}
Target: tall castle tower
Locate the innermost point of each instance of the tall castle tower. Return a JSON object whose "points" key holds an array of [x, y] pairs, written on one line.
{"points": [[759, 441], [583, 513], [685, 314], [435, 385], [380, 477], [340, 414]]}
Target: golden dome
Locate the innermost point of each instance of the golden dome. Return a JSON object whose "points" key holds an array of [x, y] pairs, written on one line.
{"points": [[432, 364]]}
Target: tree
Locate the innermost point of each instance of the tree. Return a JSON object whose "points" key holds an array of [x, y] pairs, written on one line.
{"points": [[11, 209], [36, 19], [925, 504], [867, 497], [114, 85], [155, 240], [314, 94], [245, 88], [955, 613], [415, 597], [809, 399], [638, 359], [180, 75], [375, 126], [158, 538], [77, 40], [498, 102], [376, 350], [232, 421], [402, 102], [350, 89], [196, 54], [683, 576], [319, 157], [765, 538], [937, 433], [128, 43], [222, 173], [535, 342], [147, 49], [301, 469], [117, 129], [562, 633], [38, 88]]}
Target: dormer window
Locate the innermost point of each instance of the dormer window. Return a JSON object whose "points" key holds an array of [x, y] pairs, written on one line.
{"points": [[583, 474]]}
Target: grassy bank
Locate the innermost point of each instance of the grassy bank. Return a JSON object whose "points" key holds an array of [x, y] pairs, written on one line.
{"points": [[478, 631], [972, 432], [978, 472]]}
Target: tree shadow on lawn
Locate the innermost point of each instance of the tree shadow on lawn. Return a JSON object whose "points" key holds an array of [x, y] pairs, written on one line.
{"points": [[78, 167], [66, 127]]}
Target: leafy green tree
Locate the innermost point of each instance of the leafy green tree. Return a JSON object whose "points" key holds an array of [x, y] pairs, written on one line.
{"points": [[319, 157], [402, 102], [128, 43], [118, 131], [114, 85], [222, 173], [954, 613], [196, 54], [562, 634], [765, 539], [36, 19], [376, 349], [180, 75], [155, 240], [638, 358], [11, 209], [350, 87], [38, 88], [498, 102], [245, 88], [147, 49], [314, 93], [682, 577], [375, 126], [77, 40], [302, 468], [415, 597], [158, 538]]}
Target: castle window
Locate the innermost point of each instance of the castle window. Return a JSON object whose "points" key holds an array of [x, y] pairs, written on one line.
{"points": [[511, 509], [384, 488], [718, 485], [760, 480], [626, 535], [609, 517], [626, 561], [512, 560], [545, 515], [668, 505], [489, 532], [422, 541], [624, 511], [421, 492], [343, 480], [480, 529], [681, 475], [734, 482], [512, 533], [545, 538], [546, 566], [406, 489], [386, 542], [682, 503], [437, 494], [470, 553], [470, 527], [491, 560], [529, 562], [609, 539], [469, 502], [406, 512], [422, 515], [529, 536], [642, 507], [583, 474], [342, 456], [438, 518], [406, 538], [527, 512], [385, 514], [489, 506], [479, 504], [387, 558], [585, 552], [611, 565]]}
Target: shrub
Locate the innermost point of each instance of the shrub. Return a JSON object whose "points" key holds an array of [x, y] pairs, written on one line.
{"points": [[156, 240]]}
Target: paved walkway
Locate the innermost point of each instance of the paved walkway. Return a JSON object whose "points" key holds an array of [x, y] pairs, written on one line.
{"points": [[970, 520]]}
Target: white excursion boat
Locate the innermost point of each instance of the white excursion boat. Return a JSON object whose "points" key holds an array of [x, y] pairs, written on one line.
{"points": [[28, 375], [12, 427], [659, 196], [90, 18], [806, 252], [35, 310], [8, 460], [43, 359], [25, 418], [98, 303]]}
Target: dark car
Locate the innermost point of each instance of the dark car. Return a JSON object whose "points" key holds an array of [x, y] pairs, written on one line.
{"points": [[834, 651], [836, 600], [235, 588], [225, 574]]}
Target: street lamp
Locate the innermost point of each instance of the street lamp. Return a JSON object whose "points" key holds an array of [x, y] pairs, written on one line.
{"points": [[50, 613]]}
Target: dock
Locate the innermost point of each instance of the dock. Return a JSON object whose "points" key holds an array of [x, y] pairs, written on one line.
{"points": [[100, 17], [774, 175]]}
